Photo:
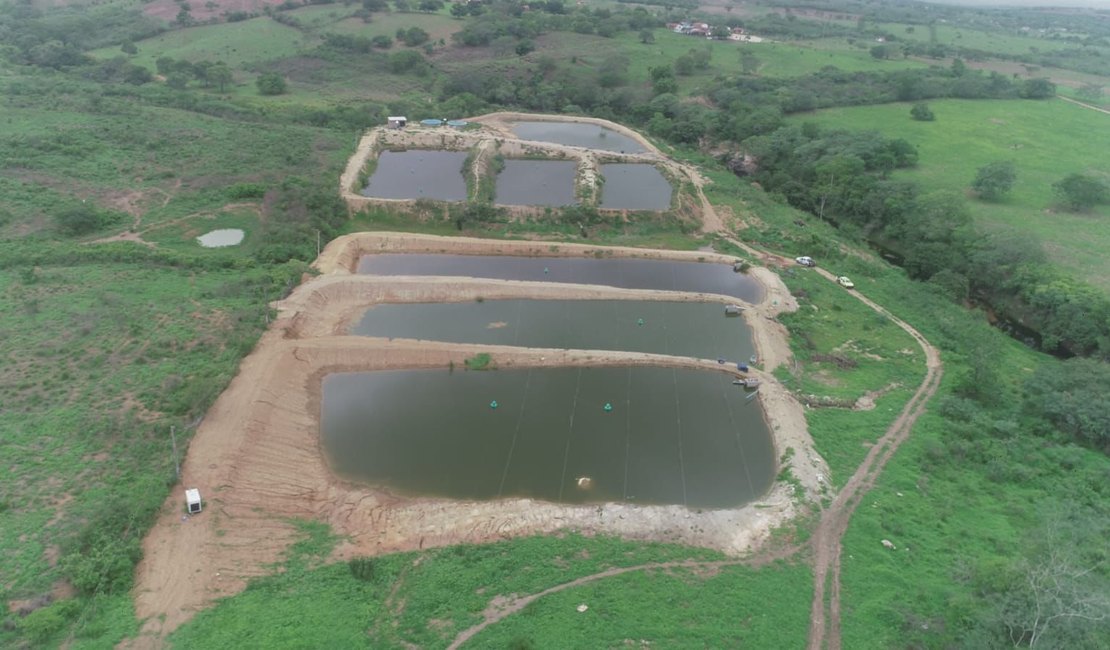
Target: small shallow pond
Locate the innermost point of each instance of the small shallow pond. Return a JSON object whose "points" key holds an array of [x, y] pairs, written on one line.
{"points": [[688, 329], [626, 273], [222, 237], [669, 436], [634, 187], [536, 182], [418, 174], [577, 134]]}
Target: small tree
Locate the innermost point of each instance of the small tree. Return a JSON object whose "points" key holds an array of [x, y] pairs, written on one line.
{"points": [[271, 83], [749, 62], [994, 180], [1079, 191], [220, 75], [647, 37], [922, 113], [128, 47]]}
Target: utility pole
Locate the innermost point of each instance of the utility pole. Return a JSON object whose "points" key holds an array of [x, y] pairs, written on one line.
{"points": [[176, 465], [317, 243]]}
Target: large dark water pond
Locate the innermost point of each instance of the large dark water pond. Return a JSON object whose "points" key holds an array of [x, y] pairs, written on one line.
{"points": [[536, 182], [577, 135], [634, 187], [678, 328], [671, 437], [661, 275], [418, 174]]}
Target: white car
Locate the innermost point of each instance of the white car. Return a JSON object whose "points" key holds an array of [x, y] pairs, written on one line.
{"points": [[845, 282], [805, 261]]}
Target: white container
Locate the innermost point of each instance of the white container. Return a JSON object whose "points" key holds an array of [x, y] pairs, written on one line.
{"points": [[192, 501]]}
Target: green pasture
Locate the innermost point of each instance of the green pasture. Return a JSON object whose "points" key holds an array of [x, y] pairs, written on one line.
{"points": [[165, 163], [1046, 140], [975, 39], [732, 607], [426, 598], [776, 59], [437, 25], [101, 358], [237, 44]]}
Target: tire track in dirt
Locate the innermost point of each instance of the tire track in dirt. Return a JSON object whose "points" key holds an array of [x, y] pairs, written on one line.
{"points": [[500, 609], [824, 630], [826, 542]]}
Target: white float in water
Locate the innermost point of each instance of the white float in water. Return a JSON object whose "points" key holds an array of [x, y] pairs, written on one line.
{"points": [[221, 238]]}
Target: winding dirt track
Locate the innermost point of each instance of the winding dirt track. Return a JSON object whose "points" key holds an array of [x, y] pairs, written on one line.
{"points": [[826, 541], [824, 631]]}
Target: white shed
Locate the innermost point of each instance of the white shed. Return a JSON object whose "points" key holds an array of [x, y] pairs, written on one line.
{"points": [[397, 121], [192, 500]]}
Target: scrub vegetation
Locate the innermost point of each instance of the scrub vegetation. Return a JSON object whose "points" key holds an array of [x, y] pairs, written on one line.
{"points": [[150, 131]]}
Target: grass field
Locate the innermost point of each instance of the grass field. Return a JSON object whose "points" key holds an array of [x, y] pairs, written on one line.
{"points": [[776, 59], [237, 44], [975, 39], [1046, 140], [425, 599]]}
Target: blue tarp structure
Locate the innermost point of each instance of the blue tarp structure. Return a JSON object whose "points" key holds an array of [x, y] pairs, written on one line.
{"points": [[431, 122], [457, 123]]}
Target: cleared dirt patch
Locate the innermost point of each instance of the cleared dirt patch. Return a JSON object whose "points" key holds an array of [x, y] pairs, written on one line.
{"points": [[256, 457]]}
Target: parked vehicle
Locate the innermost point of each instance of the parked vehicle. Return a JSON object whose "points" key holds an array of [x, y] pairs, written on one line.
{"points": [[805, 261], [845, 282]]}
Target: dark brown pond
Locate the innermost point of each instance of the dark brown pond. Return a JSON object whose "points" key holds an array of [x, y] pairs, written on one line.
{"points": [[570, 435]]}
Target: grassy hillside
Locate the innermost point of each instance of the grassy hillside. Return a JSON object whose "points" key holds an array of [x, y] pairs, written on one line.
{"points": [[967, 135]]}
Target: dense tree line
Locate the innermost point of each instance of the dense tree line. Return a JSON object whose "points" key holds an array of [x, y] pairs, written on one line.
{"points": [[843, 177]]}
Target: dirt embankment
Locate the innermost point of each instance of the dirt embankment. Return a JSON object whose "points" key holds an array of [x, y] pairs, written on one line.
{"points": [[496, 130], [257, 460]]}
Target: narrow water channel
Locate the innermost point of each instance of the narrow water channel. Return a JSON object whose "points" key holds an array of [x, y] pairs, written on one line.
{"points": [[626, 273], [689, 329]]}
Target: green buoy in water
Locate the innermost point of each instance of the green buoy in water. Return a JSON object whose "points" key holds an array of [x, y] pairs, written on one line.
{"points": [[640, 321], [608, 407], [493, 404]]}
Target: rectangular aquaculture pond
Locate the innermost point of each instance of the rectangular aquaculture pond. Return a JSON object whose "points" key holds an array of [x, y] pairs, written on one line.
{"points": [[634, 187], [418, 174], [570, 435], [689, 329], [536, 182], [623, 272], [577, 134]]}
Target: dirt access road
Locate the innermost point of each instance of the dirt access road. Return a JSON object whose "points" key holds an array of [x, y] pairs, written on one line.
{"points": [[826, 542]]}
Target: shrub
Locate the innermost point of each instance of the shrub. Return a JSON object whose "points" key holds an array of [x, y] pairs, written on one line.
{"points": [[362, 568], [271, 83], [922, 113]]}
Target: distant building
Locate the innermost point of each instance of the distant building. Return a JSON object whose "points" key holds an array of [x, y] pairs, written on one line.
{"points": [[397, 122]]}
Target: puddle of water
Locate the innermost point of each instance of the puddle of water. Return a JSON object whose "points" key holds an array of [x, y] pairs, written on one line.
{"points": [[669, 437], [686, 329], [537, 182], [418, 174], [578, 135], [662, 275], [222, 237], [634, 187]]}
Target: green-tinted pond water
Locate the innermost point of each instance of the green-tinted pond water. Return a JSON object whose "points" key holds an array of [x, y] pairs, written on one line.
{"points": [[670, 437], [680, 328]]}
